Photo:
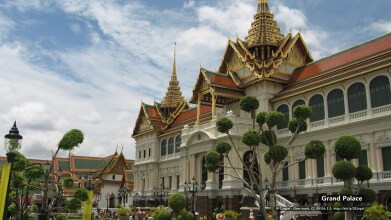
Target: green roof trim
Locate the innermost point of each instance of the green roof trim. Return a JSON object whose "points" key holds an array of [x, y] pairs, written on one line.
{"points": [[87, 164]]}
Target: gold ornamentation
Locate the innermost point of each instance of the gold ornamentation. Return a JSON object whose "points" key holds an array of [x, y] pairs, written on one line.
{"points": [[296, 57], [235, 64]]}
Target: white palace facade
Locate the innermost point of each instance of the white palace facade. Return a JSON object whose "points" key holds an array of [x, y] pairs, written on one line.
{"points": [[349, 93]]}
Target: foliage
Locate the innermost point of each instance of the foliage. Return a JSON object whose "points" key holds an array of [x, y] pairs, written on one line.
{"points": [[67, 183], [369, 195], [314, 149], [60, 217], [223, 147], [302, 112], [34, 173], [339, 216], [267, 157], [81, 194], [34, 208], [13, 209], [212, 161], [295, 123], [343, 170], [185, 215], [232, 215], [71, 139], [161, 214], [73, 204], [249, 103], [377, 212], [177, 202], [261, 118], [20, 163], [273, 118], [278, 153], [251, 138], [345, 192], [347, 147], [17, 180], [364, 173], [337, 204], [268, 138], [122, 211], [224, 125]]}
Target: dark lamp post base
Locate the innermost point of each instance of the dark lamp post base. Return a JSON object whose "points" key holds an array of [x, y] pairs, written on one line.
{"points": [[11, 156], [260, 216]]}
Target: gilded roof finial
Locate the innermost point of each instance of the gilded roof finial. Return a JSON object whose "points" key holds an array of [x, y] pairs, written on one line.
{"points": [[173, 95], [264, 30]]}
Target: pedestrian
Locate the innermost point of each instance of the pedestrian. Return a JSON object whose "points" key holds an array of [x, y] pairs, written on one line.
{"points": [[281, 217]]}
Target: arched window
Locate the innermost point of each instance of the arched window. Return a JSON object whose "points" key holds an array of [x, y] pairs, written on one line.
{"points": [[298, 102], [247, 158], [317, 105], [335, 103], [177, 143], [380, 91], [357, 98], [320, 166], [163, 148], [221, 172], [285, 110], [302, 169], [171, 145]]}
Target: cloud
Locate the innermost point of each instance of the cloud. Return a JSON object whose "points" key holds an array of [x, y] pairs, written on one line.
{"points": [[6, 25], [381, 26], [75, 28]]}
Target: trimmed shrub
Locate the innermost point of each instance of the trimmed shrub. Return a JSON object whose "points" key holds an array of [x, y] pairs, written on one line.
{"points": [[294, 124], [337, 204], [251, 138], [339, 216], [212, 161], [232, 215], [278, 153], [369, 195], [267, 157], [270, 136], [347, 147], [302, 112], [345, 192], [377, 212], [223, 147], [249, 103], [71, 139], [67, 182], [176, 202], [314, 150], [343, 170], [364, 173], [73, 204], [185, 215], [273, 118], [261, 118], [81, 194], [224, 125]]}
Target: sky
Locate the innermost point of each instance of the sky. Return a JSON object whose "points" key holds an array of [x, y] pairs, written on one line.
{"points": [[88, 64]]}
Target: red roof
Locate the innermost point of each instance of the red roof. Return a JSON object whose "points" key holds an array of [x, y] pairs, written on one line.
{"points": [[192, 113], [376, 46], [220, 79]]}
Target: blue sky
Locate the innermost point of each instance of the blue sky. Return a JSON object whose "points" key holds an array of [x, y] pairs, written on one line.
{"points": [[88, 64]]}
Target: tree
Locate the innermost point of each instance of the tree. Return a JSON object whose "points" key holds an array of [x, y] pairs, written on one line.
{"points": [[68, 142], [376, 211], [257, 140], [176, 202], [185, 215], [348, 148]]}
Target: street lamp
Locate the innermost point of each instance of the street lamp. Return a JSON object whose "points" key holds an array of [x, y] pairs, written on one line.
{"points": [[88, 183], [122, 194], [160, 192], [107, 196], [13, 142], [98, 198], [192, 188]]}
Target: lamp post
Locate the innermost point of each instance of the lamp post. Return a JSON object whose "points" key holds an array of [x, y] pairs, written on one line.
{"points": [[107, 196], [160, 192], [13, 142], [122, 194], [98, 198], [192, 188]]}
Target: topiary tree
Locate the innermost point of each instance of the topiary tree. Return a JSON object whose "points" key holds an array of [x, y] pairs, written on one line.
{"points": [[274, 155], [339, 216], [73, 205], [348, 148], [177, 202], [185, 215]]}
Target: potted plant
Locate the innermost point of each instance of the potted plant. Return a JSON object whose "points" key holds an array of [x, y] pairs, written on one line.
{"points": [[123, 213]]}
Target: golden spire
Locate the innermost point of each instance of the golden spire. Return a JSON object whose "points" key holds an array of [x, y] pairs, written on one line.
{"points": [[173, 96], [264, 30]]}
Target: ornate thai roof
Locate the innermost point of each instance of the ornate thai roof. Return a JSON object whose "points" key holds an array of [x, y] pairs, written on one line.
{"points": [[173, 97], [369, 56], [264, 29]]}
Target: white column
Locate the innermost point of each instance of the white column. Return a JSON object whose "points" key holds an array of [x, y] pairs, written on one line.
{"points": [[368, 95]]}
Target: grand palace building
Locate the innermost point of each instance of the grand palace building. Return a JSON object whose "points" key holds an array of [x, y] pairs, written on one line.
{"points": [[349, 93]]}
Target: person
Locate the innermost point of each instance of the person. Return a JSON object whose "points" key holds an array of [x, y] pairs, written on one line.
{"points": [[269, 216], [281, 217]]}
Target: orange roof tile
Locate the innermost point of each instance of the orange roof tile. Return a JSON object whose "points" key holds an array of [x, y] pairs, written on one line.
{"points": [[220, 79], [192, 113], [370, 48]]}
